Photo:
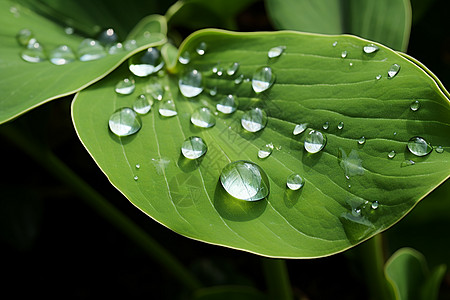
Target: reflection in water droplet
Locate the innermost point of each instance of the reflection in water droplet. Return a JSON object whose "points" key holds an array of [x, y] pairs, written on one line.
{"points": [[203, 117], [124, 122], [375, 205], [125, 86], [299, 128], [276, 51], [407, 163], [34, 52], [263, 79], [362, 140], [393, 71], [191, 83], [415, 105], [340, 125], [294, 182], [227, 104], [439, 149], [254, 120], [142, 105], [232, 69], [193, 147], [245, 180], [24, 37], [370, 48], [108, 37], [90, 49], [344, 54], [146, 62], [201, 48], [62, 55], [325, 125], [392, 154], [265, 151], [184, 58], [315, 141], [167, 108], [419, 146]]}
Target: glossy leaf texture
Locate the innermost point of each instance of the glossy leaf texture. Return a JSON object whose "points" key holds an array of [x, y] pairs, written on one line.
{"points": [[25, 85], [385, 21], [351, 190]]}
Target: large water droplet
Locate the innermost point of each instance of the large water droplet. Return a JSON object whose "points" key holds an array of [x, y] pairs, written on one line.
{"points": [[33, 53], [62, 55], [263, 79], [124, 122], [142, 104], [167, 108], [419, 146], [201, 48], [125, 86], [393, 71], [90, 49], [265, 150], [146, 62], [232, 69], [184, 58], [108, 37], [191, 83], [193, 147], [254, 120], [391, 154], [245, 180], [370, 48], [294, 182], [24, 37], [439, 149], [415, 105], [227, 104], [315, 141], [203, 117], [299, 128], [276, 51]]}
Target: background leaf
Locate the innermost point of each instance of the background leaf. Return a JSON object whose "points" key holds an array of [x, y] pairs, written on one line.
{"points": [[314, 84], [384, 21]]}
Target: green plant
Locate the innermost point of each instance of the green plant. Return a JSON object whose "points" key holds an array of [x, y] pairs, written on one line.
{"points": [[365, 99]]}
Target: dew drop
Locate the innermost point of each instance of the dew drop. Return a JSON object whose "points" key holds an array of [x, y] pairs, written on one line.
{"points": [[184, 58], [315, 141], [393, 71], [24, 37], [203, 117], [108, 37], [193, 147], [340, 125], [125, 87], [116, 48], [136, 178], [419, 146], [391, 154], [167, 108], [239, 79], [201, 48], [34, 52], [344, 54], [142, 105], [375, 205], [370, 48], [254, 120], [69, 30], [137, 166], [232, 69], [299, 128], [276, 51], [62, 55], [90, 49], [227, 105], [213, 91], [439, 149], [146, 62], [130, 45], [294, 182], [191, 83], [124, 122], [335, 43], [407, 163], [378, 77], [362, 140], [265, 151], [245, 180], [325, 125], [415, 105], [263, 79]]}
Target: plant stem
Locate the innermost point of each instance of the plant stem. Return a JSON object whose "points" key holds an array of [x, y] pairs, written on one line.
{"points": [[61, 171], [277, 279]]}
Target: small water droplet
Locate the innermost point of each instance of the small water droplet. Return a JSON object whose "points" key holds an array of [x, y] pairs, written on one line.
{"points": [[124, 122], [184, 58], [370, 48], [146, 62], [130, 45], [395, 132], [24, 37], [136, 178], [439, 149], [393, 71], [335, 43], [69, 30], [362, 140], [138, 166], [125, 87], [227, 104], [315, 141], [213, 91], [299, 128], [375, 205], [415, 105], [34, 52], [108, 37], [263, 79], [254, 120], [239, 79], [325, 125], [201, 48], [193, 147], [232, 69], [245, 180], [203, 117], [62, 55], [340, 125], [142, 105], [265, 151], [167, 108], [350, 64], [116, 49], [344, 54], [191, 83], [154, 89], [378, 77], [276, 51], [407, 163], [419, 146], [391, 154], [294, 182]]}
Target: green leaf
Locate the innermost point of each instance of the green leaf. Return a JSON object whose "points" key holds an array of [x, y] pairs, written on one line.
{"points": [[228, 292], [384, 21], [313, 85], [26, 85], [410, 279]]}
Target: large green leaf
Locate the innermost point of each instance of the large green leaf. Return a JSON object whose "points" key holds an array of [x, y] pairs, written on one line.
{"points": [[384, 21], [314, 85], [25, 85]]}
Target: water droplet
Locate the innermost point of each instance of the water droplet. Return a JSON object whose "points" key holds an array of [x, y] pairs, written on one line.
{"points": [[415, 105], [315, 141], [124, 122], [24, 37], [351, 164], [245, 180], [62, 55], [213, 91], [254, 120], [362, 140], [227, 104], [191, 83], [232, 69], [193, 147], [116, 49], [391, 154], [146, 62], [375, 205], [263, 79], [350, 64], [138, 166], [299, 128], [142, 105], [325, 125], [69, 30], [184, 58], [294, 182], [344, 54], [125, 86], [130, 45], [155, 89], [90, 49], [393, 71], [136, 178], [370, 48], [203, 117], [276, 51], [265, 151], [407, 163], [108, 37], [239, 79], [201, 48], [34, 52], [419, 146], [340, 125], [439, 149], [167, 108], [378, 77]]}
